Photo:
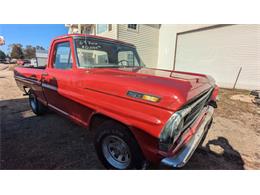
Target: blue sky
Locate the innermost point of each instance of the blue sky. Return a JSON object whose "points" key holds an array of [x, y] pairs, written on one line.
{"points": [[30, 34]]}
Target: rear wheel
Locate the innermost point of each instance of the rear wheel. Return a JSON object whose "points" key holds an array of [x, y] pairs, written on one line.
{"points": [[116, 147], [37, 107]]}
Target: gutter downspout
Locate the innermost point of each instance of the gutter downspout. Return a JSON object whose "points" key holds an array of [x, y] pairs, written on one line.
{"points": [[117, 32], [79, 28]]}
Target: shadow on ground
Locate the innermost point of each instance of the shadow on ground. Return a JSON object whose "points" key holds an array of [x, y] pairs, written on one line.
{"points": [[53, 142], [205, 158]]}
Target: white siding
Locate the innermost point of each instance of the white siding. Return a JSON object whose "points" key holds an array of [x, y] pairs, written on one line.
{"points": [[220, 52], [167, 42], [146, 40]]}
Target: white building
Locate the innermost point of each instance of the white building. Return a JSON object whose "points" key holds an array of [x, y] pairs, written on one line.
{"points": [[219, 50]]}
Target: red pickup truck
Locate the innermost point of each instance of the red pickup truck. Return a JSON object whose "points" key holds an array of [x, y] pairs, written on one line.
{"points": [[140, 115]]}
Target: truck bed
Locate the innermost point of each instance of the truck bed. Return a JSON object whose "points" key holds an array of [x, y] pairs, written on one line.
{"points": [[30, 78]]}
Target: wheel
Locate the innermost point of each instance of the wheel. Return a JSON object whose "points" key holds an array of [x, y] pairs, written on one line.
{"points": [[116, 147], [37, 107]]}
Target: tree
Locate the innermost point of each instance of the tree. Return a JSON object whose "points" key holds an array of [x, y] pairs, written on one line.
{"points": [[2, 55], [17, 51], [39, 47], [29, 52]]}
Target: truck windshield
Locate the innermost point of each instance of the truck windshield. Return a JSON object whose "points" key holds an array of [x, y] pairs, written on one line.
{"points": [[96, 53]]}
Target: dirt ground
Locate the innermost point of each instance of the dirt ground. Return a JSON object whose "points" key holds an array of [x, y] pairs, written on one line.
{"points": [[53, 142]]}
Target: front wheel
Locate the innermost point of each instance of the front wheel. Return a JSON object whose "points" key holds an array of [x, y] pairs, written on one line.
{"points": [[116, 147], [37, 107]]}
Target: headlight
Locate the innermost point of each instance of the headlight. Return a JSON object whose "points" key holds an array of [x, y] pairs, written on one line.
{"points": [[174, 126], [172, 129]]}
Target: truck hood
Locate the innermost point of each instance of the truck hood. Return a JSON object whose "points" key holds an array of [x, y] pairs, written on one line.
{"points": [[174, 88]]}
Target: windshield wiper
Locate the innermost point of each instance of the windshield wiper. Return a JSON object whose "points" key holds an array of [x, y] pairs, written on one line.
{"points": [[104, 66], [129, 66]]}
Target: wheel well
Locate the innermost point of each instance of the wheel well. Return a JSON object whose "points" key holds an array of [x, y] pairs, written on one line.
{"points": [[97, 119]]}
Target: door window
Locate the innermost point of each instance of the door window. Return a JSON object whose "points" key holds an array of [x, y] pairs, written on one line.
{"points": [[63, 58]]}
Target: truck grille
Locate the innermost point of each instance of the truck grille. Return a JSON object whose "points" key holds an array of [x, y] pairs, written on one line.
{"points": [[197, 105]]}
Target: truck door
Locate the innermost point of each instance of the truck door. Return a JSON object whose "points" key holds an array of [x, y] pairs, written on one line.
{"points": [[56, 78]]}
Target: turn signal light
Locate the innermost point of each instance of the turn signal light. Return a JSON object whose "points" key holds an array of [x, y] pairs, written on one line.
{"points": [[150, 98]]}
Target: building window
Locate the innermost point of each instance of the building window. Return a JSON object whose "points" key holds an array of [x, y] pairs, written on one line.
{"points": [[133, 27], [101, 28]]}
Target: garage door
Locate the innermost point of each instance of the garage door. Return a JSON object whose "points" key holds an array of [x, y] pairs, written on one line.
{"points": [[221, 52]]}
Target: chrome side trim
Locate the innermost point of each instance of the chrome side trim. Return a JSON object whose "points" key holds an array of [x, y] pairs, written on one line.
{"points": [[57, 109], [27, 80], [51, 87], [68, 115], [32, 81], [181, 158]]}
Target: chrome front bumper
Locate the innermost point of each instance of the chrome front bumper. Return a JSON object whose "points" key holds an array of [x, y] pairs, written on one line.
{"points": [[182, 157]]}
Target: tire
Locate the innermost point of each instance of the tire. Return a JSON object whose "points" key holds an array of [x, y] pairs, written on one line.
{"points": [[116, 147], [37, 107]]}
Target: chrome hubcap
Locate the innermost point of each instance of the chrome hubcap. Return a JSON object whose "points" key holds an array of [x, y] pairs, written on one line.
{"points": [[116, 152]]}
